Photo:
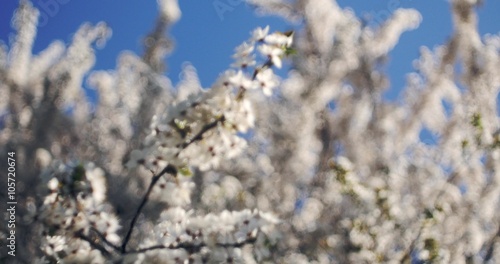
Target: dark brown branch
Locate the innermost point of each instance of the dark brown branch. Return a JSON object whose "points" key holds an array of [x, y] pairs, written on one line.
{"points": [[194, 248], [268, 64], [93, 244], [203, 130], [168, 169], [491, 247], [103, 238]]}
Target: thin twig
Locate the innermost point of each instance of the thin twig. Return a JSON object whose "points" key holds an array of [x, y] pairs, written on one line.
{"points": [[268, 64], [203, 130], [168, 169], [103, 238], [192, 248], [103, 250], [491, 247]]}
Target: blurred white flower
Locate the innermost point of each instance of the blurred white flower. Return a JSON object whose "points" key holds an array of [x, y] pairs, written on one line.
{"points": [[267, 80], [244, 62], [170, 9], [242, 81], [53, 184], [244, 50], [54, 244], [279, 39], [260, 33], [273, 53]]}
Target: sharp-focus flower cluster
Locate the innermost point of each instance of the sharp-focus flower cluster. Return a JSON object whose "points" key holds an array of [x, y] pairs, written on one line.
{"points": [[74, 212], [202, 129], [199, 130], [213, 238]]}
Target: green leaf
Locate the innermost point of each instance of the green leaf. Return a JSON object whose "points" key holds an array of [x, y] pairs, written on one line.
{"points": [[185, 171], [476, 121], [180, 124], [290, 51], [432, 246], [465, 143]]}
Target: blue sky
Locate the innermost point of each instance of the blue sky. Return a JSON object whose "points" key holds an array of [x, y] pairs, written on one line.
{"points": [[206, 38]]}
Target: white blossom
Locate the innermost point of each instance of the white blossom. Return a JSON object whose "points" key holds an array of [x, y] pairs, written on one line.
{"points": [[328, 170], [242, 81], [170, 9], [272, 52], [267, 81], [259, 34]]}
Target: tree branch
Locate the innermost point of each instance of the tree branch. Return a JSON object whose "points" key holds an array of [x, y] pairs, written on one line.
{"points": [[103, 238], [168, 169], [192, 248], [93, 244], [199, 136]]}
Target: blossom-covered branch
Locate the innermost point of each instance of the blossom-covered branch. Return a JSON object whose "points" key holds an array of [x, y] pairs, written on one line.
{"points": [[202, 175]]}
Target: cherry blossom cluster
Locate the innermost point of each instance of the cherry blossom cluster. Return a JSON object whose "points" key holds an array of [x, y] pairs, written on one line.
{"points": [[199, 130], [202, 129], [213, 238], [79, 227], [74, 214], [353, 176]]}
